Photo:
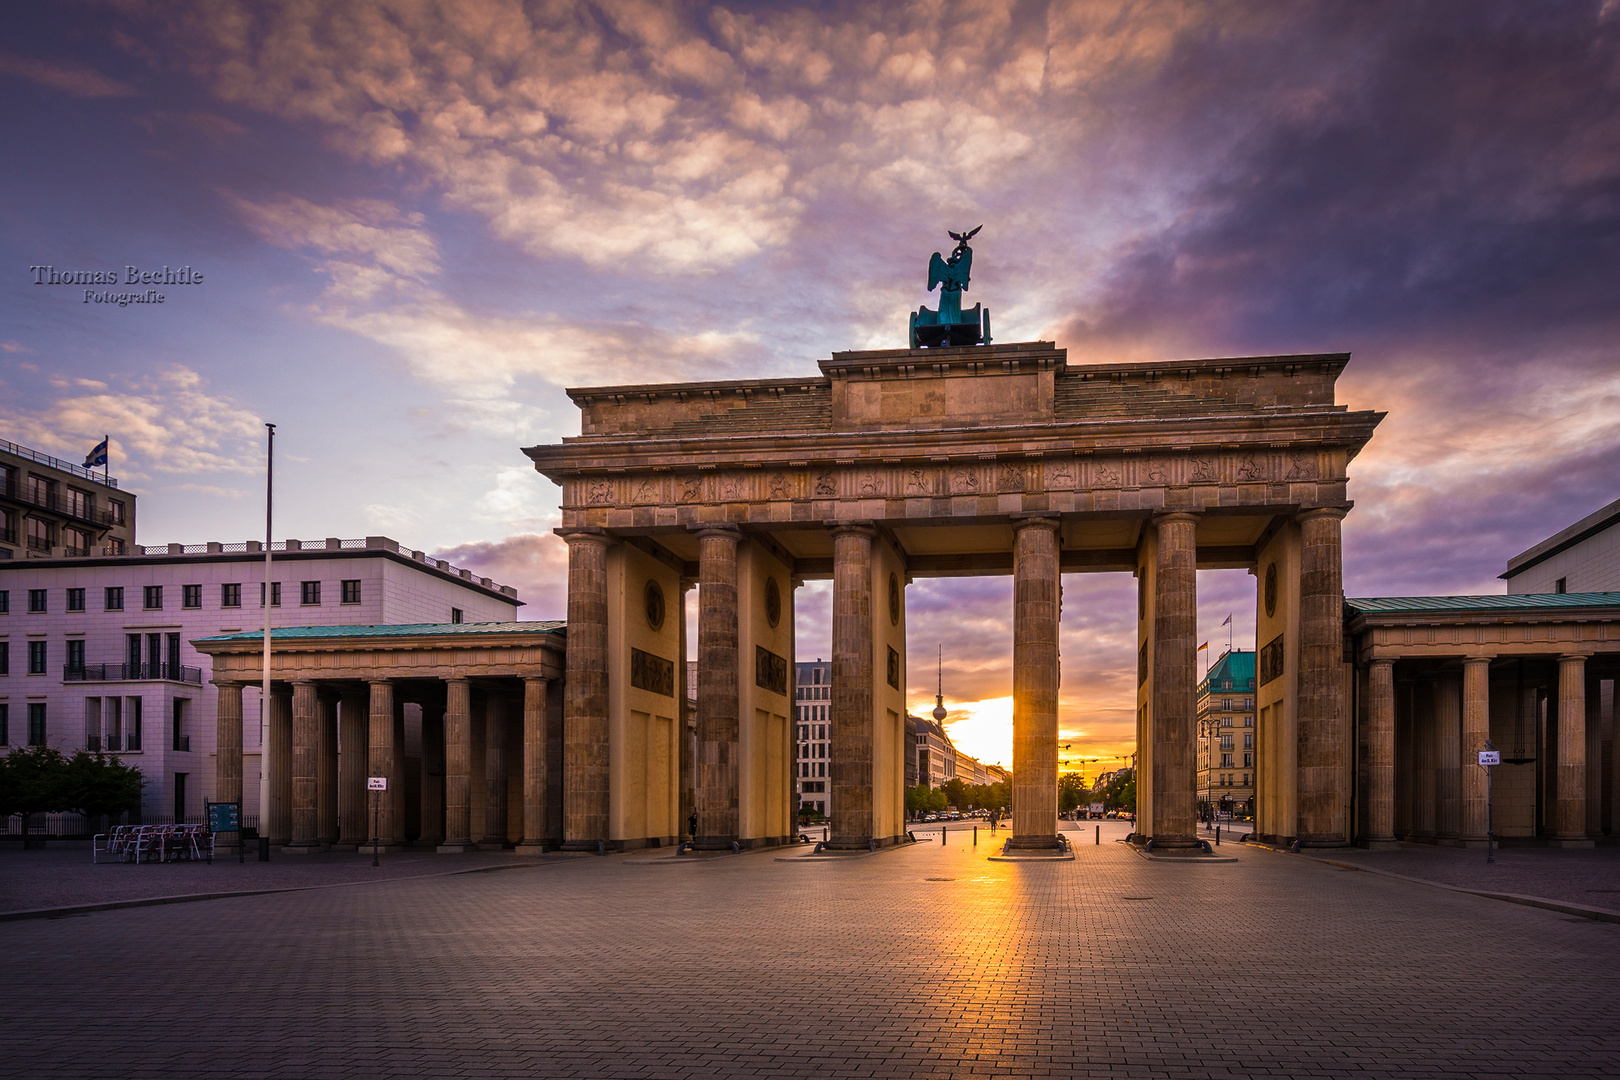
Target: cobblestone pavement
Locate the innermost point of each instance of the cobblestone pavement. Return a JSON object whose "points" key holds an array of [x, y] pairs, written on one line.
{"points": [[30, 880], [923, 962], [1589, 877]]}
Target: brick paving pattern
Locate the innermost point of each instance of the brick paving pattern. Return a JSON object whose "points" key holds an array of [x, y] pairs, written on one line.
{"points": [[924, 962], [1589, 877]]}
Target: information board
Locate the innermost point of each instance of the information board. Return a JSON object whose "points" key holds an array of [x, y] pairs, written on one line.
{"points": [[376, 783], [224, 816]]}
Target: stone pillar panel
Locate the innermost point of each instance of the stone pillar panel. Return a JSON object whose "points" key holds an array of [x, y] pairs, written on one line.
{"points": [[764, 690], [354, 819], [433, 773], [495, 762], [1447, 757], [1036, 585], [852, 701], [1569, 805], [1174, 714], [383, 759], [1323, 720], [228, 743], [1476, 730], [718, 772], [1380, 763], [1276, 683], [585, 695], [326, 783], [535, 777], [305, 761], [280, 753], [888, 749], [457, 765], [645, 686], [1147, 557]]}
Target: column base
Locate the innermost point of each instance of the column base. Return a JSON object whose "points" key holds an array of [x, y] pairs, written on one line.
{"points": [[345, 846], [491, 845], [459, 847], [535, 847], [1032, 843], [1571, 842], [1388, 844], [587, 846], [311, 848]]}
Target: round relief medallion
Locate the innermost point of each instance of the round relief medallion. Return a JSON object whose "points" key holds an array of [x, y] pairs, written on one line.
{"points": [[894, 599], [773, 602], [655, 605], [1271, 590]]}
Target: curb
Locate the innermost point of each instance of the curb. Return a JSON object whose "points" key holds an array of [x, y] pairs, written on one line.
{"points": [[187, 898], [1564, 907]]}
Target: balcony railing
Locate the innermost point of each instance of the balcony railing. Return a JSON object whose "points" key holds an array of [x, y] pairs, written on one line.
{"points": [[132, 673], [57, 463], [58, 503]]}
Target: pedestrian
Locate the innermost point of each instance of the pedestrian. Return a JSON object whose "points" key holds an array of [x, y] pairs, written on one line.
{"points": [[691, 826]]}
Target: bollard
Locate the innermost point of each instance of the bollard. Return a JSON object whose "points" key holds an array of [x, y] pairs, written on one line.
{"points": [[1217, 836], [1099, 837], [264, 849], [975, 836], [944, 834], [824, 834]]}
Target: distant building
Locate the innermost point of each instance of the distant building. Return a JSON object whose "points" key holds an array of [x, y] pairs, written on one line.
{"points": [[50, 508], [1226, 734], [96, 653], [812, 701], [1584, 558], [935, 753]]}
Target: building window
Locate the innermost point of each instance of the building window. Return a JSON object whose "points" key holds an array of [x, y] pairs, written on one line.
{"points": [[455, 614], [309, 593], [1561, 585], [5, 660], [113, 599], [1248, 721], [275, 594], [152, 597], [1248, 740], [1245, 779], [36, 723], [36, 600], [5, 724], [5, 601], [36, 658], [8, 526], [75, 655], [351, 591], [1226, 763], [1226, 742], [41, 535], [115, 507], [1226, 721], [132, 724], [1248, 760], [191, 596], [230, 595], [75, 599], [115, 546], [1248, 703]]}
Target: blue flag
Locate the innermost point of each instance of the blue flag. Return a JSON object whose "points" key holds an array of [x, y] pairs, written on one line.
{"points": [[97, 455]]}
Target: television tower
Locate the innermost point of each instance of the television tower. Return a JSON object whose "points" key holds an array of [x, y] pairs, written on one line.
{"points": [[939, 696]]}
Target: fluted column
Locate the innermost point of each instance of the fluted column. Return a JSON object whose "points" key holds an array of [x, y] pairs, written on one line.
{"points": [[719, 728], [585, 694], [1174, 714], [457, 766], [385, 757], [1035, 682], [1380, 753], [326, 771], [534, 762], [494, 772], [1569, 811], [432, 773], [1594, 759], [228, 752], [276, 760], [1423, 741], [852, 673], [306, 731], [1324, 726], [354, 820], [1447, 757], [1476, 732]]}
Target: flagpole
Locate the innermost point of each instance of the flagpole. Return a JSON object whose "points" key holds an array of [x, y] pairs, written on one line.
{"points": [[269, 589]]}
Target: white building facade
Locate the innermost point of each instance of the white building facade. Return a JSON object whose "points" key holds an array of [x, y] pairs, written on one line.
{"points": [[1584, 558], [812, 701], [95, 652]]}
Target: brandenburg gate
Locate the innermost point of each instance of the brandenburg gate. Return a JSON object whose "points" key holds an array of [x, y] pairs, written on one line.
{"points": [[944, 460]]}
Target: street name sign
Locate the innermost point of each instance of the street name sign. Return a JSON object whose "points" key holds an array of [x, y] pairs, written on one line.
{"points": [[1490, 757], [376, 783]]}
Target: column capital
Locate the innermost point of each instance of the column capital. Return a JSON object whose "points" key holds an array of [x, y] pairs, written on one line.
{"points": [[379, 682], [853, 528], [1384, 661], [724, 529], [1469, 661], [296, 683], [1311, 513], [1572, 657], [541, 679], [1162, 517], [453, 679], [593, 534], [1039, 519], [232, 684]]}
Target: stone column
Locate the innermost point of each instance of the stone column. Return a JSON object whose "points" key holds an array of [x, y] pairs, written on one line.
{"points": [[1447, 758], [1174, 713], [326, 772], [850, 714], [1569, 809], [719, 728], [494, 772], [384, 754], [457, 767], [1380, 754], [1324, 726], [306, 730], [685, 722], [354, 811], [228, 753], [1405, 763], [432, 773], [1594, 758], [1476, 732], [278, 754], [1035, 682], [1423, 741], [585, 694], [534, 762]]}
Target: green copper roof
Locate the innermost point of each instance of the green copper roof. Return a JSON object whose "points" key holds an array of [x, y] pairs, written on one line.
{"points": [[1548, 602], [307, 633], [1237, 665]]}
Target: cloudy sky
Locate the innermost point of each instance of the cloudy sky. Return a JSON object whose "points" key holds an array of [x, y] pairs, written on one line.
{"points": [[418, 222]]}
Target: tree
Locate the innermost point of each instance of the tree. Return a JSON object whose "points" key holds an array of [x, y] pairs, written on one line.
{"points": [[1120, 791], [957, 793], [95, 785], [32, 781], [1071, 791]]}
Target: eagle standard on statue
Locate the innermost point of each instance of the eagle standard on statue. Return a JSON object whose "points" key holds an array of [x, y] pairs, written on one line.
{"points": [[950, 325]]}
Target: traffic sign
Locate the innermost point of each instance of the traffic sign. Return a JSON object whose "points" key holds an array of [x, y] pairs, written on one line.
{"points": [[1490, 757], [376, 783]]}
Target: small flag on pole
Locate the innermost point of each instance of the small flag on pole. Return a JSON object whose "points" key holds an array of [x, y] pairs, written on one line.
{"points": [[1227, 621], [97, 455], [1204, 646]]}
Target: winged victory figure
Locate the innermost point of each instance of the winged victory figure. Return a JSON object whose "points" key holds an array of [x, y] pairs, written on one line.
{"points": [[950, 325]]}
